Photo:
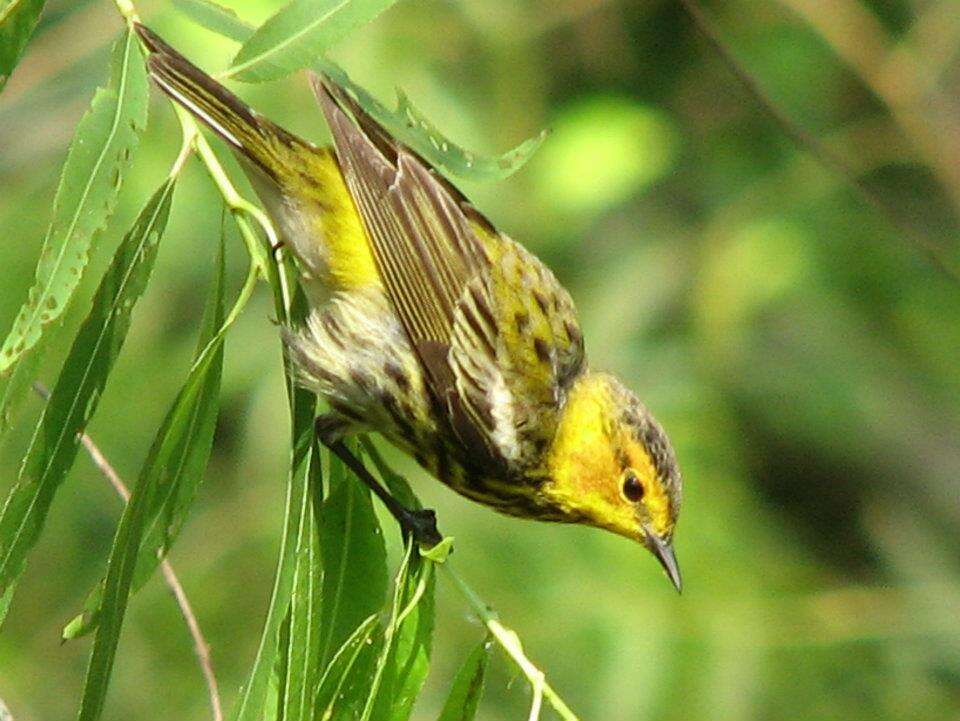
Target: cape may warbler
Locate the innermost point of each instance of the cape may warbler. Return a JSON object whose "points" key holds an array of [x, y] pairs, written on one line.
{"points": [[437, 330]]}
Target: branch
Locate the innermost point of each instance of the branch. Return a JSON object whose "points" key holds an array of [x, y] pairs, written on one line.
{"points": [[201, 647], [820, 152], [510, 643]]}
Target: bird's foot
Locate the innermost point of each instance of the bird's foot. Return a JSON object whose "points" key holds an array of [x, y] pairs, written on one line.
{"points": [[421, 526]]}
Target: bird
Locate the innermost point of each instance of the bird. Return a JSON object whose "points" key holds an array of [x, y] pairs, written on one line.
{"points": [[430, 326]]}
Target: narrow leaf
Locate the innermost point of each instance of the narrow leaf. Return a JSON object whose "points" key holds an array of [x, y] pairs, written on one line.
{"points": [[336, 678], [179, 453], [409, 659], [5, 598], [412, 127], [17, 22], [354, 559], [405, 122], [405, 655], [250, 705], [301, 655], [122, 563], [216, 18], [386, 650], [98, 157], [74, 399], [15, 386], [467, 688], [298, 34]]}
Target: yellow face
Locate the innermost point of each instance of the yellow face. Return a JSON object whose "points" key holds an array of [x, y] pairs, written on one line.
{"points": [[611, 466]]}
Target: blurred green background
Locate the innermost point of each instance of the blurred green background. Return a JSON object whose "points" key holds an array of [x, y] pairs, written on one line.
{"points": [[803, 356]]}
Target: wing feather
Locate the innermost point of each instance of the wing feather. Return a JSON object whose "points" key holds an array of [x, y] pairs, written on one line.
{"points": [[498, 341], [422, 233], [422, 240]]}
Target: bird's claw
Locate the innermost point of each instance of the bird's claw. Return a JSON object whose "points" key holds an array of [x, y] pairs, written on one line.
{"points": [[422, 527]]}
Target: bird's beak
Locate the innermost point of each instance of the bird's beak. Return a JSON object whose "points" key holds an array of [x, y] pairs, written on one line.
{"points": [[663, 550]]}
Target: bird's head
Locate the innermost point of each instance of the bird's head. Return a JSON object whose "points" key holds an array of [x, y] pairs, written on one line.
{"points": [[612, 466]]}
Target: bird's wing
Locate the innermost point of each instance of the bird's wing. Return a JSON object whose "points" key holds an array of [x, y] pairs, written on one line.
{"points": [[494, 331], [517, 349], [424, 239]]}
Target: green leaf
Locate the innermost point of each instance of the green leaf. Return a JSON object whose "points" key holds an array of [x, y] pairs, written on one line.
{"points": [[216, 18], [301, 651], [406, 122], [17, 22], [122, 563], [464, 696], [405, 657], [250, 705], [74, 399], [5, 598], [354, 559], [410, 659], [412, 127], [298, 34], [15, 387], [87, 195], [331, 689], [440, 552], [179, 453]]}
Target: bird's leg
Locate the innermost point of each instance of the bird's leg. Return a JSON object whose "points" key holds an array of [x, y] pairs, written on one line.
{"points": [[420, 524]]}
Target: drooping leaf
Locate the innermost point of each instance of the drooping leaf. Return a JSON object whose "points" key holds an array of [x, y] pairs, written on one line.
{"points": [[300, 654], [386, 649], [250, 705], [412, 127], [405, 122], [467, 688], [179, 453], [335, 681], [5, 598], [409, 659], [354, 559], [77, 392], [216, 18], [86, 196], [17, 22], [14, 386], [120, 568], [405, 655], [298, 34], [406, 659]]}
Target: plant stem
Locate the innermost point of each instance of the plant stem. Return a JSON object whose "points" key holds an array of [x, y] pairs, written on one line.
{"points": [[510, 643], [822, 154], [128, 11]]}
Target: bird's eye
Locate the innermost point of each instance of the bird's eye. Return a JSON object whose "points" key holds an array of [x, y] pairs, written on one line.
{"points": [[632, 488]]}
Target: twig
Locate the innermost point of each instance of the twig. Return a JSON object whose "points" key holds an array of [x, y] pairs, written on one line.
{"points": [[201, 647], [925, 117], [817, 149], [510, 643]]}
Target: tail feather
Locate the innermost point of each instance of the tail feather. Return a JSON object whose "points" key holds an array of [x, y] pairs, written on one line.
{"points": [[266, 144]]}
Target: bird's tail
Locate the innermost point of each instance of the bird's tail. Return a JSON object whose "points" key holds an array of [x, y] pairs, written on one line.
{"points": [[271, 148]]}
